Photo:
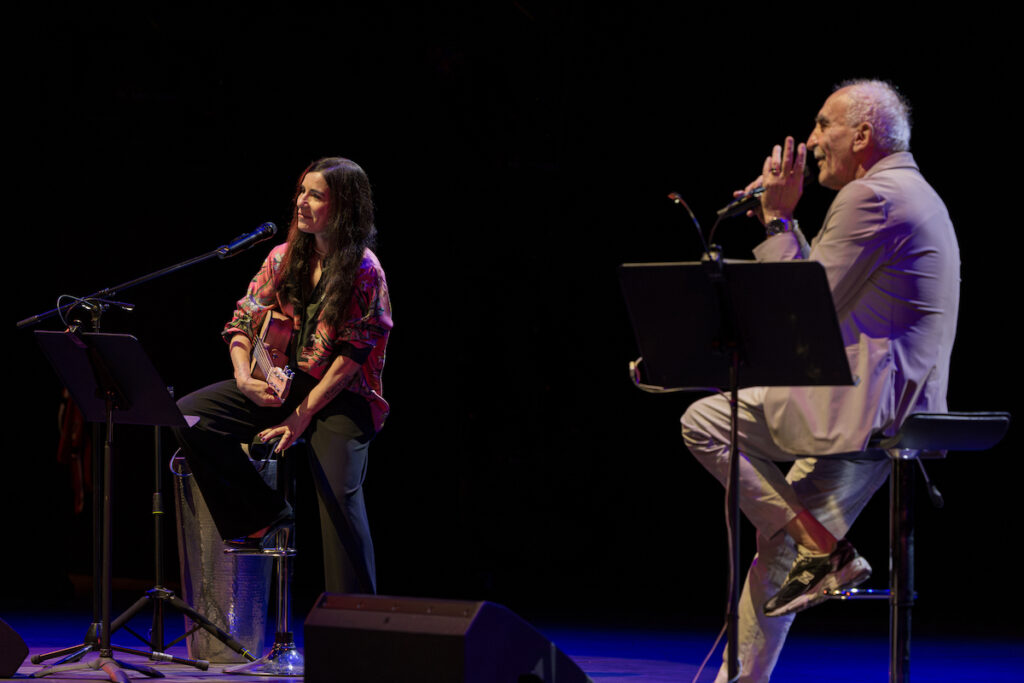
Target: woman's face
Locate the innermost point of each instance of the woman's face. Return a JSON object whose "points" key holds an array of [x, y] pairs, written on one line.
{"points": [[313, 205]]}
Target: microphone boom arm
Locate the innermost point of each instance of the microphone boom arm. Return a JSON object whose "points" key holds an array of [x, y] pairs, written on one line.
{"points": [[111, 291]]}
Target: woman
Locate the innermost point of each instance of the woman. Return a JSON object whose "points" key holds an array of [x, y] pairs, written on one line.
{"points": [[329, 282]]}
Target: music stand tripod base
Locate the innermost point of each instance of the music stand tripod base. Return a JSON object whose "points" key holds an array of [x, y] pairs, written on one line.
{"points": [[114, 668]]}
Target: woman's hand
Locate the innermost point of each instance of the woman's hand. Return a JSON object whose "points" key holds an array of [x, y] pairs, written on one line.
{"points": [[290, 430], [337, 377], [258, 391]]}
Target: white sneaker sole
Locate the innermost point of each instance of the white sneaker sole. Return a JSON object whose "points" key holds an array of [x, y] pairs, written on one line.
{"points": [[853, 573]]}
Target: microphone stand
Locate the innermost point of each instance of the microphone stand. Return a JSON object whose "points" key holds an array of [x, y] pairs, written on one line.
{"points": [[98, 635]]}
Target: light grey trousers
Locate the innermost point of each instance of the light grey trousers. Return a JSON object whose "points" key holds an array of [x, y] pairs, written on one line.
{"points": [[833, 489]]}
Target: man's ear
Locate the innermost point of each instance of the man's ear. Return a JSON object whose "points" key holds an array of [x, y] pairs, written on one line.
{"points": [[863, 136]]}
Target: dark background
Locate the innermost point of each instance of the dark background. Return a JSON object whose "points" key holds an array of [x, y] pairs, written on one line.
{"points": [[518, 154]]}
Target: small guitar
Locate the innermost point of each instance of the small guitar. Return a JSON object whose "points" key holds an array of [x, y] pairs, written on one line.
{"points": [[269, 356]]}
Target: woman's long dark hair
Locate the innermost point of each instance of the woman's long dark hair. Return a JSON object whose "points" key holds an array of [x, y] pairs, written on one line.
{"points": [[350, 231]]}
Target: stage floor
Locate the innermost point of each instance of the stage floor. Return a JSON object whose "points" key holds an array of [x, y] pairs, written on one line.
{"points": [[611, 654]]}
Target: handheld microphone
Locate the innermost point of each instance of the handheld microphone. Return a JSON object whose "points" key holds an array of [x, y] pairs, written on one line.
{"points": [[243, 242], [751, 200]]}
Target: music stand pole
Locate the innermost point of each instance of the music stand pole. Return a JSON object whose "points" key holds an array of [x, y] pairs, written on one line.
{"points": [[157, 635], [729, 338], [112, 380], [698, 324], [733, 521], [108, 444]]}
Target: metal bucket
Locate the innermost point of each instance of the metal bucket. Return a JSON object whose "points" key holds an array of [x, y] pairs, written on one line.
{"points": [[232, 591]]}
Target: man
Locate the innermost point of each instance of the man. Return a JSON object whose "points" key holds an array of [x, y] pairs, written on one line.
{"points": [[892, 261]]}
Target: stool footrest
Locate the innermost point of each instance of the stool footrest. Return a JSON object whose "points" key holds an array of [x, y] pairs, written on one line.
{"points": [[261, 552], [861, 594]]}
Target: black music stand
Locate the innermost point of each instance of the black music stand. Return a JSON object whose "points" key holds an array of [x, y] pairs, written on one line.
{"points": [[727, 325], [112, 380]]}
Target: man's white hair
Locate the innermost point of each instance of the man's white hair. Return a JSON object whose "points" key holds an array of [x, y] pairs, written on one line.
{"points": [[880, 104]]}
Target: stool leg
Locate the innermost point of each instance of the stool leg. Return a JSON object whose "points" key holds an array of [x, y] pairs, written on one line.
{"points": [[283, 598], [284, 658], [901, 571]]}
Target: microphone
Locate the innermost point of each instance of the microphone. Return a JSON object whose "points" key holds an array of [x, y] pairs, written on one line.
{"points": [[243, 242], [751, 200]]}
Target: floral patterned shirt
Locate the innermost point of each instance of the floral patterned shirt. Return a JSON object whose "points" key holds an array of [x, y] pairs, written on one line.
{"points": [[363, 336]]}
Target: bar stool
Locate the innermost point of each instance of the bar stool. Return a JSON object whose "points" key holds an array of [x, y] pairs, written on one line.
{"points": [[283, 658], [923, 436]]}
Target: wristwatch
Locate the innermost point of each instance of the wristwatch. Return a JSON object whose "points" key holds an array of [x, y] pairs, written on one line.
{"points": [[777, 225]]}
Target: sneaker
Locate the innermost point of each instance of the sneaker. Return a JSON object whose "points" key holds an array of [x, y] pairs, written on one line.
{"points": [[815, 575]]}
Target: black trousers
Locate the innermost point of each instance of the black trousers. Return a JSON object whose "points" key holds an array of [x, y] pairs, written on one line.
{"points": [[240, 501]]}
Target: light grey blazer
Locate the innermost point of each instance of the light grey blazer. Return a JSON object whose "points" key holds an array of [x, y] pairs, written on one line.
{"points": [[893, 266]]}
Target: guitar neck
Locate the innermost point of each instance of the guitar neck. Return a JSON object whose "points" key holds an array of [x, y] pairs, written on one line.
{"points": [[262, 359], [266, 348]]}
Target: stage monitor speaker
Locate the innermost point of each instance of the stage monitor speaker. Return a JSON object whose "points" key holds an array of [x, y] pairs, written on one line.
{"points": [[13, 650], [370, 638]]}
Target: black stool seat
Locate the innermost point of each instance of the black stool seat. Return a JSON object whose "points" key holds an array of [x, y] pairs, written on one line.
{"points": [[948, 432]]}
